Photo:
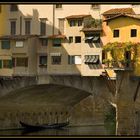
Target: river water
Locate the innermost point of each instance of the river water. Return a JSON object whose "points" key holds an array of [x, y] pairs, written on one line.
{"points": [[67, 131]]}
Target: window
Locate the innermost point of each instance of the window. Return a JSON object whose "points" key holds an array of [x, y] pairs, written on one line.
{"points": [[22, 62], [71, 59], [42, 60], [56, 60], [95, 6], [74, 59], [7, 63], [116, 33], [70, 39], [13, 27], [19, 44], [80, 22], [78, 39], [13, 8], [72, 23], [43, 27], [58, 6], [133, 33], [56, 42], [44, 42], [5, 44], [61, 25], [27, 27]]}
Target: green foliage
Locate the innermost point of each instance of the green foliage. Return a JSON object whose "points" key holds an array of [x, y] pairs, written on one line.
{"points": [[117, 50], [91, 22]]}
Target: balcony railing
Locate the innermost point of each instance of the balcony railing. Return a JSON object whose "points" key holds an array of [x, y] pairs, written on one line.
{"points": [[123, 65]]}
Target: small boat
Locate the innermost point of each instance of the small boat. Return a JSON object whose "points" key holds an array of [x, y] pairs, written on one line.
{"points": [[45, 126]]}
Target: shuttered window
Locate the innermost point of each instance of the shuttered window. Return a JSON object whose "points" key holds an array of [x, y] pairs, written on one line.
{"points": [[57, 42], [27, 27], [5, 44], [13, 27], [74, 59], [7, 64]]}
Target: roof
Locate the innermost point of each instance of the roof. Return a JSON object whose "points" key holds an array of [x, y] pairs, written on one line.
{"points": [[92, 29], [119, 11], [16, 37], [56, 36], [125, 15], [77, 16]]}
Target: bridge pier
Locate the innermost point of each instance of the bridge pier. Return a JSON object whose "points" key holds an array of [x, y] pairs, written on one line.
{"points": [[126, 90]]}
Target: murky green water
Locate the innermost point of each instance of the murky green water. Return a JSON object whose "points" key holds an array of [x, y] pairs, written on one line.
{"points": [[68, 131]]}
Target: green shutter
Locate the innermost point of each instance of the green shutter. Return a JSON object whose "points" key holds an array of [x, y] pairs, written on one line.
{"points": [[0, 64], [5, 44], [10, 64]]}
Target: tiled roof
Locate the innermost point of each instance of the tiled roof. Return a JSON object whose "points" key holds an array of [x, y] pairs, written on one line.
{"points": [[77, 16], [119, 11], [57, 36], [126, 15]]}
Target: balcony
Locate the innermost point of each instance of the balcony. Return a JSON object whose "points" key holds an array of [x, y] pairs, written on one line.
{"points": [[92, 25], [119, 65]]}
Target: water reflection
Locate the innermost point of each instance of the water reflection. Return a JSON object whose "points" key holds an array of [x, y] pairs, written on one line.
{"points": [[68, 131]]}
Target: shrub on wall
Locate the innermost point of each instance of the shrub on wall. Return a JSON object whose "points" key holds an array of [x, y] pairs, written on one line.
{"points": [[117, 51]]}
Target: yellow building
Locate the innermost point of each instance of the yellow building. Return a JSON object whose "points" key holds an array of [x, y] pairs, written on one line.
{"points": [[121, 41]]}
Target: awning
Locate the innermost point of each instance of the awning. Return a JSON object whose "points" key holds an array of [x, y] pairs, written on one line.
{"points": [[55, 54], [91, 59], [89, 38], [95, 38]]}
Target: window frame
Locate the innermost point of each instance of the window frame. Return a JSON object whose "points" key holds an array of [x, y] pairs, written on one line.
{"points": [[72, 60], [72, 23], [71, 39], [79, 21], [42, 26], [44, 42], [56, 63], [117, 34], [40, 60], [6, 65], [2, 41], [77, 41], [57, 45], [21, 62], [133, 33], [27, 26], [13, 30]]}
